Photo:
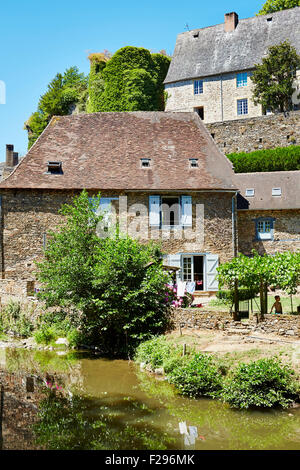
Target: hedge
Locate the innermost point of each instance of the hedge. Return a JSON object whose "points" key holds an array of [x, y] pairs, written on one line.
{"points": [[278, 159]]}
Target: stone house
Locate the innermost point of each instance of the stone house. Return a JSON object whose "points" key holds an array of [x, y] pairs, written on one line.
{"points": [[211, 67], [161, 174], [269, 211]]}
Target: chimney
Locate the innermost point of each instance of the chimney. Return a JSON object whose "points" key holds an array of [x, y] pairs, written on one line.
{"points": [[9, 155], [15, 158], [231, 21]]}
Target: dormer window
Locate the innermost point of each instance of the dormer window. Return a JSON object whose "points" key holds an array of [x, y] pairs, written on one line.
{"points": [[250, 192], [276, 191], [54, 168], [145, 162], [270, 18], [193, 162]]}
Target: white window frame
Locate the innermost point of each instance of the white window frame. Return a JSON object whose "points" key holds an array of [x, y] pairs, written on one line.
{"points": [[198, 87], [185, 212], [276, 192], [242, 106], [250, 192]]}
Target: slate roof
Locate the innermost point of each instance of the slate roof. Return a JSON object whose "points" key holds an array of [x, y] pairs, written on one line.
{"points": [[104, 150], [262, 183], [215, 51]]}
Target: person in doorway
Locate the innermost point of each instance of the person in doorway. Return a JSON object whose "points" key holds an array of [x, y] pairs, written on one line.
{"points": [[277, 305]]}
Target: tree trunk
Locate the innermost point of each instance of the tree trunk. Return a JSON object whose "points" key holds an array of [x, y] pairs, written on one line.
{"points": [[262, 299], [236, 301]]}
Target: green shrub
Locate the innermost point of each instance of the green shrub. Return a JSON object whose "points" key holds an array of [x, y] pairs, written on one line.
{"points": [[243, 294], [45, 335], [16, 321], [75, 338], [154, 351], [199, 377], [264, 383], [278, 159]]}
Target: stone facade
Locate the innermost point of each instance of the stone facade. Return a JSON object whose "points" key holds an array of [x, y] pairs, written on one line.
{"points": [[28, 215], [263, 132], [286, 235], [219, 98], [282, 325]]}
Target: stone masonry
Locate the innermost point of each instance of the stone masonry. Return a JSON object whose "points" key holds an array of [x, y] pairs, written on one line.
{"points": [[263, 132], [28, 215]]}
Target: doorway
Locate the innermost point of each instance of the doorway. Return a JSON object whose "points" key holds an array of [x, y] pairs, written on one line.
{"points": [[193, 270], [200, 112]]}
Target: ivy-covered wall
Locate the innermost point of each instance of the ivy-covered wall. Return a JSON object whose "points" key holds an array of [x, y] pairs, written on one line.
{"points": [[131, 80]]}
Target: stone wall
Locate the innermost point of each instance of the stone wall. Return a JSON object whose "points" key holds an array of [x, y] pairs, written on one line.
{"points": [[286, 231], [28, 215], [11, 289], [263, 132], [283, 325]]}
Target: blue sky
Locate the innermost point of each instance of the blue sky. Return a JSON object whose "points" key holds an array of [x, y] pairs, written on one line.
{"points": [[41, 38]]}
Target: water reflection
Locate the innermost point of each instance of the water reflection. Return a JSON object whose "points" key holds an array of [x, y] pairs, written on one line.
{"points": [[76, 401]]}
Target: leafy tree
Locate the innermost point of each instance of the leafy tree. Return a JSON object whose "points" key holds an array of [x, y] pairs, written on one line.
{"points": [[258, 272], [274, 78], [64, 92], [116, 284], [276, 5]]}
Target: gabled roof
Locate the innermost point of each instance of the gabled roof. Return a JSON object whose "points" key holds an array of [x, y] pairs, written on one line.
{"points": [[104, 150], [263, 183], [215, 51]]}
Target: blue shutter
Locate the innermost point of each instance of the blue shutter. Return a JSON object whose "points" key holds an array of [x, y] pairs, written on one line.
{"points": [[154, 211], [186, 211], [212, 262]]}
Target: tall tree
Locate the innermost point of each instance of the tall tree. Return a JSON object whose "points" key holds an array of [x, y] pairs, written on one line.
{"points": [[276, 5], [64, 91], [274, 78]]}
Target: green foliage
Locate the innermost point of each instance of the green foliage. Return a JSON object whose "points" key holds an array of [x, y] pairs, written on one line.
{"points": [[116, 285], [273, 79], [131, 80], [64, 92], [199, 377], [243, 294], [276, 5], [277, 159], [16, 321], [264, 383], [158, 352], [282, 270], [45, 335]]}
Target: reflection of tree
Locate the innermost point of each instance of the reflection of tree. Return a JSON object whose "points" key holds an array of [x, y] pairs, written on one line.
{"points": [[225, 428], [79, 423]]}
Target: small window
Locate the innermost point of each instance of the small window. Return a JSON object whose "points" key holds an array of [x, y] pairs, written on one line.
{"points": [[198, 87], [276, 191], [145, 162], [242, 106], [193, 162], [270, 18], [196, 34], [54, 168], [241, 79], [250, 192], [264, 229]]}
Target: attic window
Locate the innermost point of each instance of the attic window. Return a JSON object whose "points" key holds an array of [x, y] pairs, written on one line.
{"points": [[270, 18], [196, 34], [54, 168], [276, 191], [145, 162], [193, 162], [250, 192]]}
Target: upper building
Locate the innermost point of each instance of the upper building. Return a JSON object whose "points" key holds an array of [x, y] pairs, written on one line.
{"points": [[211, 67]]}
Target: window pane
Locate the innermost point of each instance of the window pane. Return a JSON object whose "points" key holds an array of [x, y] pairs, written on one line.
{"points": [[241, 79], [242, 106], [198, 87]]}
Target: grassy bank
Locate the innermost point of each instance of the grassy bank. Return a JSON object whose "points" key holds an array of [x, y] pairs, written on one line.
{"points": [[265, 382]]}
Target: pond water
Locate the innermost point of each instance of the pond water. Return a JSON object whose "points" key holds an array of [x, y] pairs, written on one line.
{"points": [[58, 400]]}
